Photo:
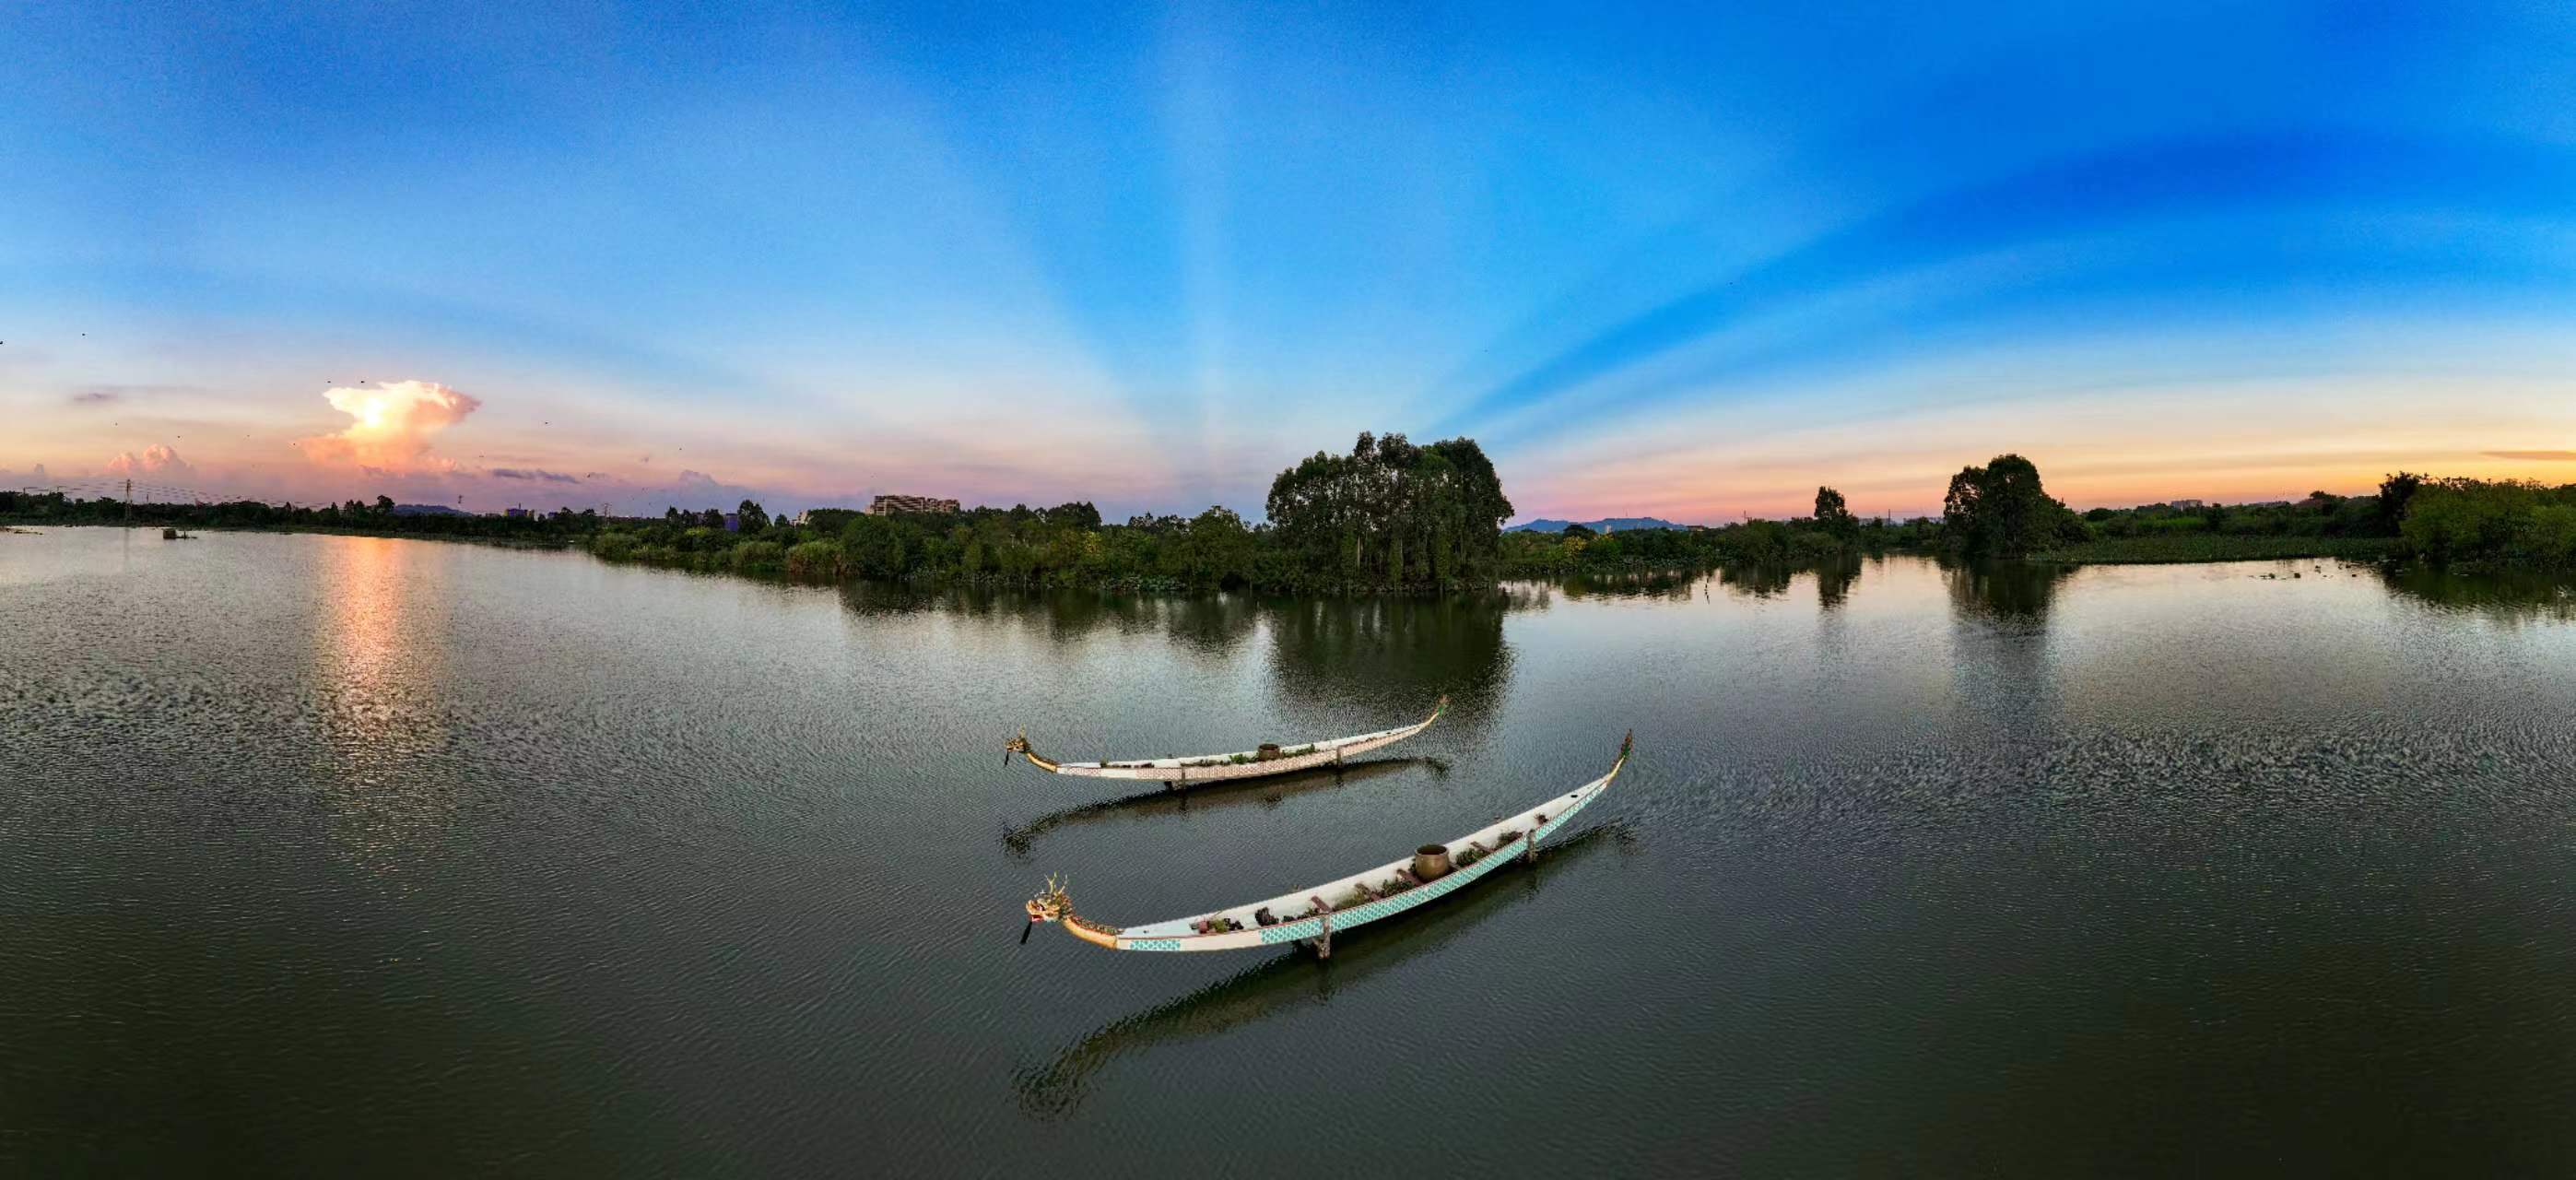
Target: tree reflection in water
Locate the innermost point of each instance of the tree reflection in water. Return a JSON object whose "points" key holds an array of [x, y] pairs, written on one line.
{"points": [[1659, 583], [2506, 597], [1834, 581], [1212, 624], [1401, 652], [2004, 590], [1757, 581], [2001, 663]]}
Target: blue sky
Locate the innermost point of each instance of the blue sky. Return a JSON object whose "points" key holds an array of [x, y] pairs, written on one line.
{"points": [[1686, 261]]}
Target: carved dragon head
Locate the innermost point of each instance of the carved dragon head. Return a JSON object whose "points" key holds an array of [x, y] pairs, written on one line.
{"points": [[1052, 904]]}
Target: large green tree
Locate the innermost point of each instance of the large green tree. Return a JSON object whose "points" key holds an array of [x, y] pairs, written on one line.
{"points": [[1835, 517], [2395, 493], [2000, 510], [1391, 513]]}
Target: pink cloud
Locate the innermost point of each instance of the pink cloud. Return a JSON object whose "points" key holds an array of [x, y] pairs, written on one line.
{"points": [[156, 459], [393, 426]]}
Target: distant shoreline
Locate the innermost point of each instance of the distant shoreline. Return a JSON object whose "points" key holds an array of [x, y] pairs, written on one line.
{"points": [[2188, 549], [40, 526], [1392, 518]]}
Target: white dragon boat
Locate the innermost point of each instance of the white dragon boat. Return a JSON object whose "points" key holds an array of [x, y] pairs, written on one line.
{"points": [[1432, 872], [1208, 768]]}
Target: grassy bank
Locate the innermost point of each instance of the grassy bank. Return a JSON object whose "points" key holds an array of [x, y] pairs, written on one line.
{"points": [[2182, 548]]}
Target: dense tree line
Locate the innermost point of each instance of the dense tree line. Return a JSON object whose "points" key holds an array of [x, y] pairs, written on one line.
{"points": [[1388, 516], [2002, 510], [1066, 545], [1829, 537], [563, 526], [1394, 516], [2456, 521], [2493, 523]]}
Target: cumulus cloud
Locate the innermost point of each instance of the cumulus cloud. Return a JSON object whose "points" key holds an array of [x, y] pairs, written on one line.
{"points": [[533, 473], [393, 427], [693, 491], [156, 459]]}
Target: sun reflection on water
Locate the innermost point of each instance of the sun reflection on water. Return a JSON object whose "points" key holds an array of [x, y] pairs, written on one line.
{"points": [[380, 659]]}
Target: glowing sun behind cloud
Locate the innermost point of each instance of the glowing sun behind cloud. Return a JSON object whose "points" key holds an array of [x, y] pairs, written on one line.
{"points": [[393, 427]]}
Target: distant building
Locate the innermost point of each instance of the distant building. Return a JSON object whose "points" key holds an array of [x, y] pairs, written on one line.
{"points": [[733, 522], [2188, 504], [520, 513], [889, 505]]}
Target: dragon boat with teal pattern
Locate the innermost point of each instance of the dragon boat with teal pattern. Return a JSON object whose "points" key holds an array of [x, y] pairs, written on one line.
{"points": [[1311, 915]]}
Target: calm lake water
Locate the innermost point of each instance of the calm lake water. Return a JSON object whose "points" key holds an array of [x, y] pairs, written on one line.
{"points": [[340, 855]]}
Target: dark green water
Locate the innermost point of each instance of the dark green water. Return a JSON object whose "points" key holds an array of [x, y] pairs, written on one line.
{"points": [[329, 855]]}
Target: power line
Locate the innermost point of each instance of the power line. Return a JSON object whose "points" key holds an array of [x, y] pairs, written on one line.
{"points": [[108, 488]]}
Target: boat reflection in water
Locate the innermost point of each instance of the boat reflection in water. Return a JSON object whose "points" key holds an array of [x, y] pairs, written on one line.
{"points": [[1163, 803], [1291, 981]]}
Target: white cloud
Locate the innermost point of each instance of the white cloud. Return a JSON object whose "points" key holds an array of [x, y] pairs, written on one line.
{"points": [[393, 427]]}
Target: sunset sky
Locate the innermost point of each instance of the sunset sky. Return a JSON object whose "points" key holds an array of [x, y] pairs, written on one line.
{"points": [[1688, 262]]}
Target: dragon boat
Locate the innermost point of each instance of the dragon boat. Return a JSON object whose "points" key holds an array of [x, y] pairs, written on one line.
{"points": [[1311, 915], [1206, 768]]}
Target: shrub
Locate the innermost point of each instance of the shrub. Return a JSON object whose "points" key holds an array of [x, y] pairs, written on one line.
{"points": [[815, 559], [2476, 520], [756, 556]]}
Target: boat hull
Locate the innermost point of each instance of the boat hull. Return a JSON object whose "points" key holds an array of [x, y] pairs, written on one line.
{"points": [[1213, 768], [1303, 929], [1363, 897]]}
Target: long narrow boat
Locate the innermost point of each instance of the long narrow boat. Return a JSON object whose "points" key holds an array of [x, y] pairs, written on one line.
{"points": [[1204, 768], [1432, 872]]}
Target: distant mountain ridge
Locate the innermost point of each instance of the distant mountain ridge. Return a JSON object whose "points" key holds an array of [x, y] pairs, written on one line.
{"points": [[1605, 524], [428, 510]]}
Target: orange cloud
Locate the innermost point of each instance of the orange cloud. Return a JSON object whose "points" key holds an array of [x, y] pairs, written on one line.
{"points": [[156, 459], [394, 423]]}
